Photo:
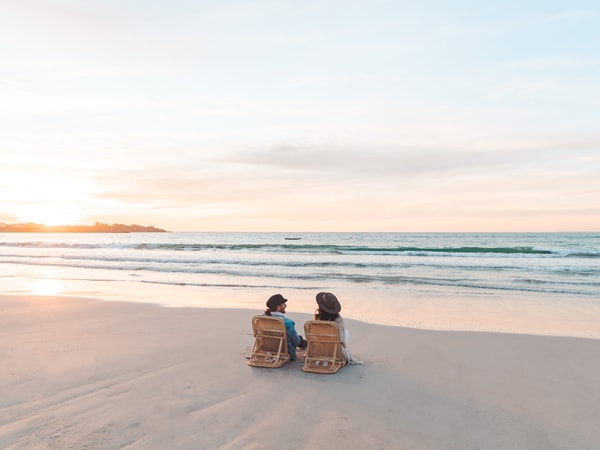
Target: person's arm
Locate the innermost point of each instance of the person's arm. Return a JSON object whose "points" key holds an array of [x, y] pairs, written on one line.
{"points": [[290, 327], [340, 324]]}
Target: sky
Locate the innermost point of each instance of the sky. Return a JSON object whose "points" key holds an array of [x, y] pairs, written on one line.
{"points": [[244, 115]]}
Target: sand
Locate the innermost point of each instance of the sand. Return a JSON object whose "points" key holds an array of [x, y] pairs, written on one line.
{"points": [[90, 374]]}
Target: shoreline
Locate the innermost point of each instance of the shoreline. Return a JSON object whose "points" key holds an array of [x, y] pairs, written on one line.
{"points": [[92, 373], [545, 314]]}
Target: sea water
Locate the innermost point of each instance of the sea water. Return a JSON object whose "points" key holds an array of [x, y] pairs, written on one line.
{"points": [[377, 276]]}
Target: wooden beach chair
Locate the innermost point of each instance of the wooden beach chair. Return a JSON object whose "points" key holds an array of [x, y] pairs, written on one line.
{"points": [[324, 350], [270, 342]]}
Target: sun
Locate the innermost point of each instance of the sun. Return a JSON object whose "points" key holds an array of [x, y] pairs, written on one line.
{"points": [[49, 214], [50, 200]]}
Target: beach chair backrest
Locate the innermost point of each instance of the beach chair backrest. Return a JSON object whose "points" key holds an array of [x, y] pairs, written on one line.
{"points": [[270, 342], [324, 350]]}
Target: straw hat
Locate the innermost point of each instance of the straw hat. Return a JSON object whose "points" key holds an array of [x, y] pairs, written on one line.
{"points": [[328, 302]]}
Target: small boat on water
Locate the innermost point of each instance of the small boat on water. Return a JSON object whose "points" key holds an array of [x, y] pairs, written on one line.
{"points": [[292, 238]]}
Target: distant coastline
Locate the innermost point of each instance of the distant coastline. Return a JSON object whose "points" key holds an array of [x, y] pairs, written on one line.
{"points": [[96, 228]]}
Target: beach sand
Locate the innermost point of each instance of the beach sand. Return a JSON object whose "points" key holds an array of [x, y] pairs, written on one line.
{"points": [[90, 374]]}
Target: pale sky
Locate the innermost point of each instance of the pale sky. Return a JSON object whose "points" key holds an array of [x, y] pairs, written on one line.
{"points": [[233, 115]]}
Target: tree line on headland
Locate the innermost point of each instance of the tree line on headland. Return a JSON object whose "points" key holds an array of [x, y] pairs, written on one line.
{"points": [[96, 228]]}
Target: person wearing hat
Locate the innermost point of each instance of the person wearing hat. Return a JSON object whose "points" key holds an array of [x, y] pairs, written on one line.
{"points": [[329, 308], [276, 307]]}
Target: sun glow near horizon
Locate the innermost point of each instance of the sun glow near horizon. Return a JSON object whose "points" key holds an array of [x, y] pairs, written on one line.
{"points": [[50, 214], [50, 200]]}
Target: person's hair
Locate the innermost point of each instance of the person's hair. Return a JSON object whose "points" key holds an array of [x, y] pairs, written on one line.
{"points": [[267, 312], [324, 315]]}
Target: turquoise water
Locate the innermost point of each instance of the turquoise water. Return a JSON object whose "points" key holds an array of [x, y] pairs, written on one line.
{"points": [[543, 283], [550, 263]]}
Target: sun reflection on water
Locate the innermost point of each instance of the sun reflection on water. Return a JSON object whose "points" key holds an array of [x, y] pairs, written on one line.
{"points": [[48, 285]]}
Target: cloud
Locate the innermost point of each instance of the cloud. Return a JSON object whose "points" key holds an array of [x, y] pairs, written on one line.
{"points": [[416, 161]]}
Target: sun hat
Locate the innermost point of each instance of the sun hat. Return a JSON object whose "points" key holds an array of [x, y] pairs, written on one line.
{"points": [[275, 300], [328, 302]]}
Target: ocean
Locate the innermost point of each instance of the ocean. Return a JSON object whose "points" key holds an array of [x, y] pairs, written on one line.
{"points": [[377, 276]]}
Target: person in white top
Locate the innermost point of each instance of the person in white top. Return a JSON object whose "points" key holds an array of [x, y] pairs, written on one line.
{"points": [[329, 308]]}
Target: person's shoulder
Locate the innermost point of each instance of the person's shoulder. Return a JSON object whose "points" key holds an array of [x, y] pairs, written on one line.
{"points": [[281, 316], [287, 320]]}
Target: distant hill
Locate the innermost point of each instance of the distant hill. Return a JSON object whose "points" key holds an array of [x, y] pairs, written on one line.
{"points": [[96, 228]]}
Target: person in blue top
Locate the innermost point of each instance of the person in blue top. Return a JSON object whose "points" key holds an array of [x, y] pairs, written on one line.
{"points": [[276, 307]]}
